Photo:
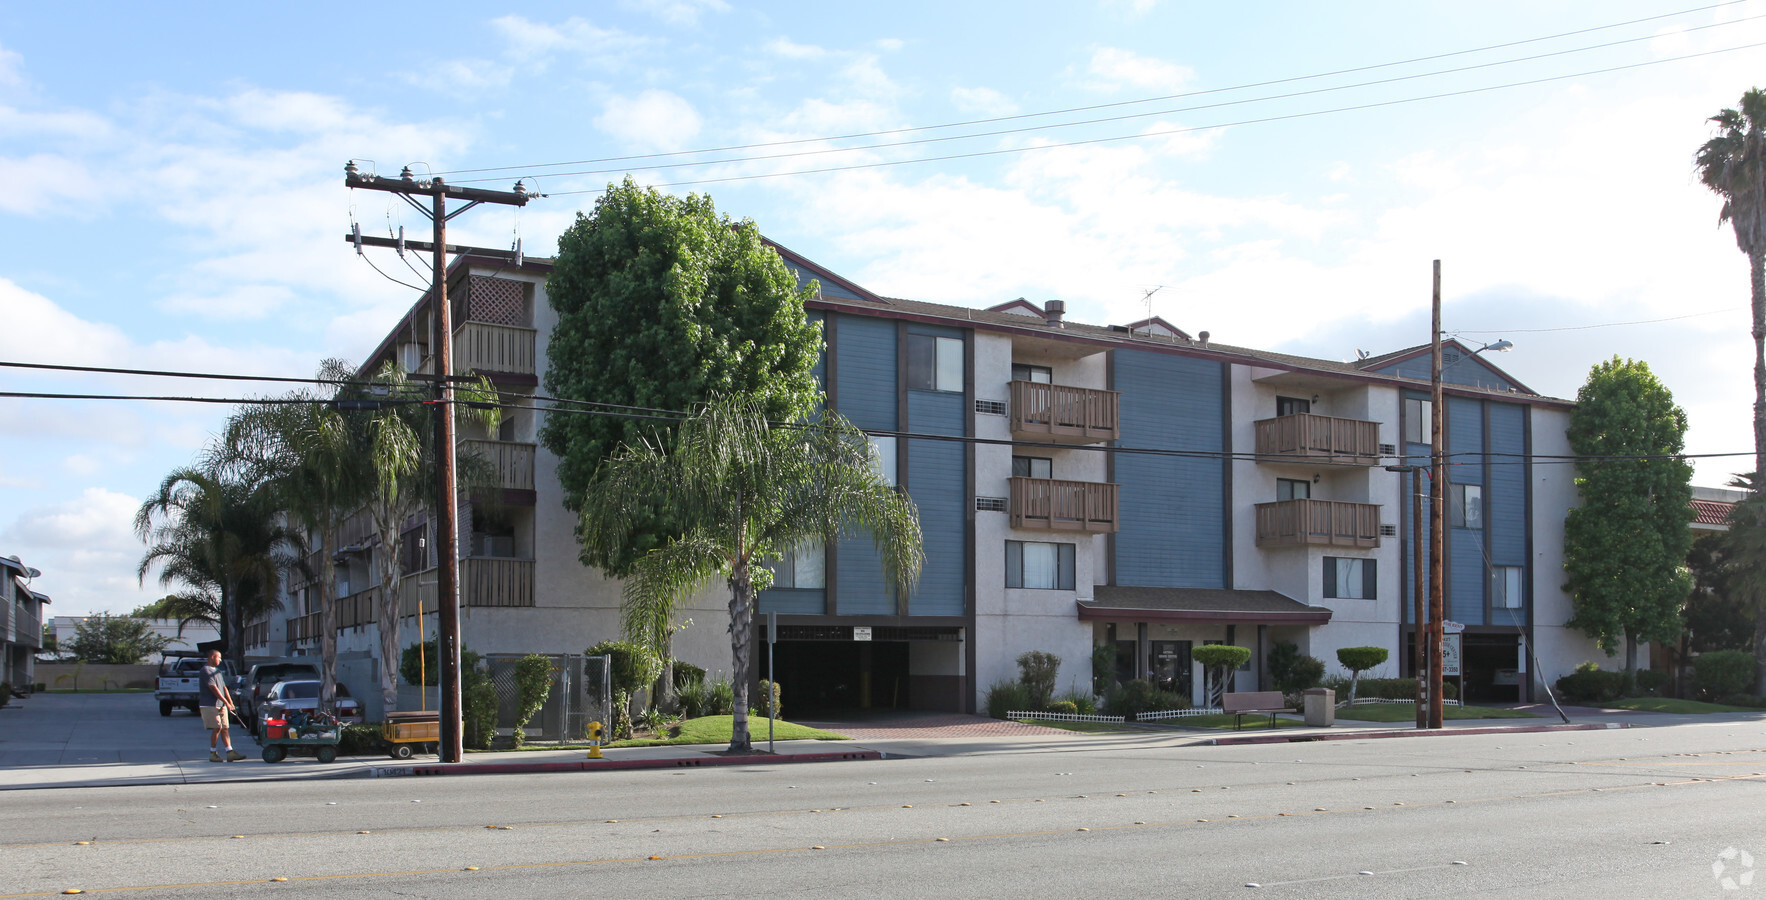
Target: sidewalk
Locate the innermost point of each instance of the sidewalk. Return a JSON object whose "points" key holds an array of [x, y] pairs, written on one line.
{"points": [[93, 740]]}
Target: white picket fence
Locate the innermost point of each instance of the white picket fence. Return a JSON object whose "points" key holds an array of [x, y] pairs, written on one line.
{"points": [[1060, 717], [1359, 701], [1176, 714]]}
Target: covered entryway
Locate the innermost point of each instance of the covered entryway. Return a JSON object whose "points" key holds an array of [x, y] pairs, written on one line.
{"points": [[826, 670]]}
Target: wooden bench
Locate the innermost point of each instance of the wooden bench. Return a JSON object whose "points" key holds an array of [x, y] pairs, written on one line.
{"points": [[1247, 703]]}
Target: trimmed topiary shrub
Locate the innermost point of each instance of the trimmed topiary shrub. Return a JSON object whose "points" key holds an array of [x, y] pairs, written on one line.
{"points": [[1358, 660], [1037, 670], [1217, 660], [1064, 706], [1723, 672]]}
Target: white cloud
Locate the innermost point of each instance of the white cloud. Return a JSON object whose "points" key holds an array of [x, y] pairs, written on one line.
{"points": [[677, 12], [982, 101], [77, 124], [789, 49], [12, 66], [889, 45], [42, 182], [1113, 69], [468, 75], [865, 76], [655, 119], [86, 549], [534, 43], [245, 301]]}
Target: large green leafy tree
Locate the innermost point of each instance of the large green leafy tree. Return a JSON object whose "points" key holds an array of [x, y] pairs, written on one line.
{"points": [[1625, 546], [752, 490], [1733, 164], [117, 640], [662, 304]]}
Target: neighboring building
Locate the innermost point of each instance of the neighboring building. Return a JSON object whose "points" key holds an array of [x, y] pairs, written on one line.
{"points": [[1078, 485], [1711, 506], [21, 623], [185, 639]]}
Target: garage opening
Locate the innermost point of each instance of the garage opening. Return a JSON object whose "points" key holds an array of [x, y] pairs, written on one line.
{"points": [[828, 670]]}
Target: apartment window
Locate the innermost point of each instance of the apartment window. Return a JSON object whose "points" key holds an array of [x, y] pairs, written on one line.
{"points": [[883, 457], [1032, 467], [1508, 590], [1467, 506], [1418, 420], [1292, 406], [414, 550], [1034, 374], [801, 566], [935, 363], [1346, 578], [492, 537], [1293, 489], [1033, 564]]}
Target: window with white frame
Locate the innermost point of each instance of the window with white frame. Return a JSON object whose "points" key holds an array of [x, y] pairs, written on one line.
{"points": [[1032, 467], [883, 457], [1467, 506], [1033, 374], [1035, 564], [935, 363], [1418, 424], [1349, 578], [802, 566], [1508, 587], [1293, 489]]}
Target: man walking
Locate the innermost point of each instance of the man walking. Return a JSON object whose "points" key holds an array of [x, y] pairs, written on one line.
{"points": [[217, 703]]}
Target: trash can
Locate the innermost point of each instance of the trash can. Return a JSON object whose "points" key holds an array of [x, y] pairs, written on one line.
{"points": [[1321, 707]]}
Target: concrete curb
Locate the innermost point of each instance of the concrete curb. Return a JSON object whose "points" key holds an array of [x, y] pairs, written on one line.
{"points": [[609, 765], [1403, 733]]}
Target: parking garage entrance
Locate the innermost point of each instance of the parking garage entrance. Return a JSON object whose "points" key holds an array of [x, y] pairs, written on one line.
{"points": [[823, 670]]}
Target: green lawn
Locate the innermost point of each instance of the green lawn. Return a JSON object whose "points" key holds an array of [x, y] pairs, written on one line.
{"points": [[1217, 721], [1406, 712], [1097, 727], [716, 730], [1670, 705]]}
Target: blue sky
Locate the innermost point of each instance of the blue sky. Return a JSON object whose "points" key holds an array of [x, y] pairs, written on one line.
{"points": [[171, 197]]}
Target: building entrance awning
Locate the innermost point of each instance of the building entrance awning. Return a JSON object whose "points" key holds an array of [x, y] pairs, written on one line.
{"points": [[1111, 603]]}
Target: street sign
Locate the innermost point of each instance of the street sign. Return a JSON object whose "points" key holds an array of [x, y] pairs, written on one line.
{"points": [[1450, 654], [861, 632]]}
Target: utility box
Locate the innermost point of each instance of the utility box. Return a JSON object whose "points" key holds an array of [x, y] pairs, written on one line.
{"points": [[1321, 707]]}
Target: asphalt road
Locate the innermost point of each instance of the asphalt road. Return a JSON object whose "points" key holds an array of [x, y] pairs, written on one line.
{"points": [[1641, 812]]}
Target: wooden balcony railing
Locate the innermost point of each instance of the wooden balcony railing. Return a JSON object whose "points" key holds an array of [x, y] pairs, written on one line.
{"points": [[496, 582], [257, 634], [1318, 522], [1068, 415], [1322, 439], [483, 347], [304, 628], [1063, 505], [27, 628], [512, 461]]}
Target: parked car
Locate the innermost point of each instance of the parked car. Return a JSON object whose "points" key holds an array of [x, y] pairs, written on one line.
{"points": [[304, 694], [264, 676], [180, 681]]}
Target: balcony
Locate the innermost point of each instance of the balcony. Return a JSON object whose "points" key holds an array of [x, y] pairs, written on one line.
{"points": [[1062, 414], [511, 461], [1089, 506], [1329, 523], [483, 347], [27, 628], [1318, 439]]}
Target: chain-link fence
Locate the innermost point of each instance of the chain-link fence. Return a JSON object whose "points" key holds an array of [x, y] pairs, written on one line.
{"points": [[580, 694]]}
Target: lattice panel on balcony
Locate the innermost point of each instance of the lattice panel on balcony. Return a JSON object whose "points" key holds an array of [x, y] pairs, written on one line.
{"points": [[499, 301]]}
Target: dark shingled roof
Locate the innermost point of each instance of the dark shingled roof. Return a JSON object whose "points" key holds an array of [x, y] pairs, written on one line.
{"points": [[1216, 605]]}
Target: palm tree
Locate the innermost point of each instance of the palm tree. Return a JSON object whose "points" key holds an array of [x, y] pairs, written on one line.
{"points": [[1733, 164], [1743, 550], [753, 490], [400, 437], [218, 535], [320, 468]]}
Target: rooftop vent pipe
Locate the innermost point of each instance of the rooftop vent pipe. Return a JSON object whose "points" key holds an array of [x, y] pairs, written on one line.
{"points": [[1052, 311], [1202, 338]]}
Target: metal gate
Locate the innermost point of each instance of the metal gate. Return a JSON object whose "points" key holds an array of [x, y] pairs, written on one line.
{"points": [[579, 695]]}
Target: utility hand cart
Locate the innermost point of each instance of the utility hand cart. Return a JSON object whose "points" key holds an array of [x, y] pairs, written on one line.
{"points": [[411, 732], [300, 732]]}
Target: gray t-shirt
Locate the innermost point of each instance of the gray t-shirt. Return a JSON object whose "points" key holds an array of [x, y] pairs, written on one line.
{"points": [[214, 687]]}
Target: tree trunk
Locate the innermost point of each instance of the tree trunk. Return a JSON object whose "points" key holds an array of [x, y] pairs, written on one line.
{"points": [[387, 618], [662, 694], [1354, 677], [1757, 285], [224, 626], [741, 645], [327, 621]]}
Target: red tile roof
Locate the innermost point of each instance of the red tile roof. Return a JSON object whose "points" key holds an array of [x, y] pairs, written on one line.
{"points": [[1711, 512]]}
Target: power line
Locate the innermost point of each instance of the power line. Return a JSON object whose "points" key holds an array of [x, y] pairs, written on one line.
{"points": [[1127, 116], [1078, 109], [1185, 130]]}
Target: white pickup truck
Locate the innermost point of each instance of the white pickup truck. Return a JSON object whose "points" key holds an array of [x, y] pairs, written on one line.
{"points": [[180, 682]]}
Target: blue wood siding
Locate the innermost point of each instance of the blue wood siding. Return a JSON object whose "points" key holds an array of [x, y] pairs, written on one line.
{"points": [[866, 371], [859, 579], [938, 482], [1465, 441], [1173, 509], [1470, 372], [1465, 571], [1508, 485], [793, 601]]}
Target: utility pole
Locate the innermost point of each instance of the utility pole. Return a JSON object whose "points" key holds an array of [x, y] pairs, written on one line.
{"points": [[1418, 593], [446, 503], [1437, 497]]}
